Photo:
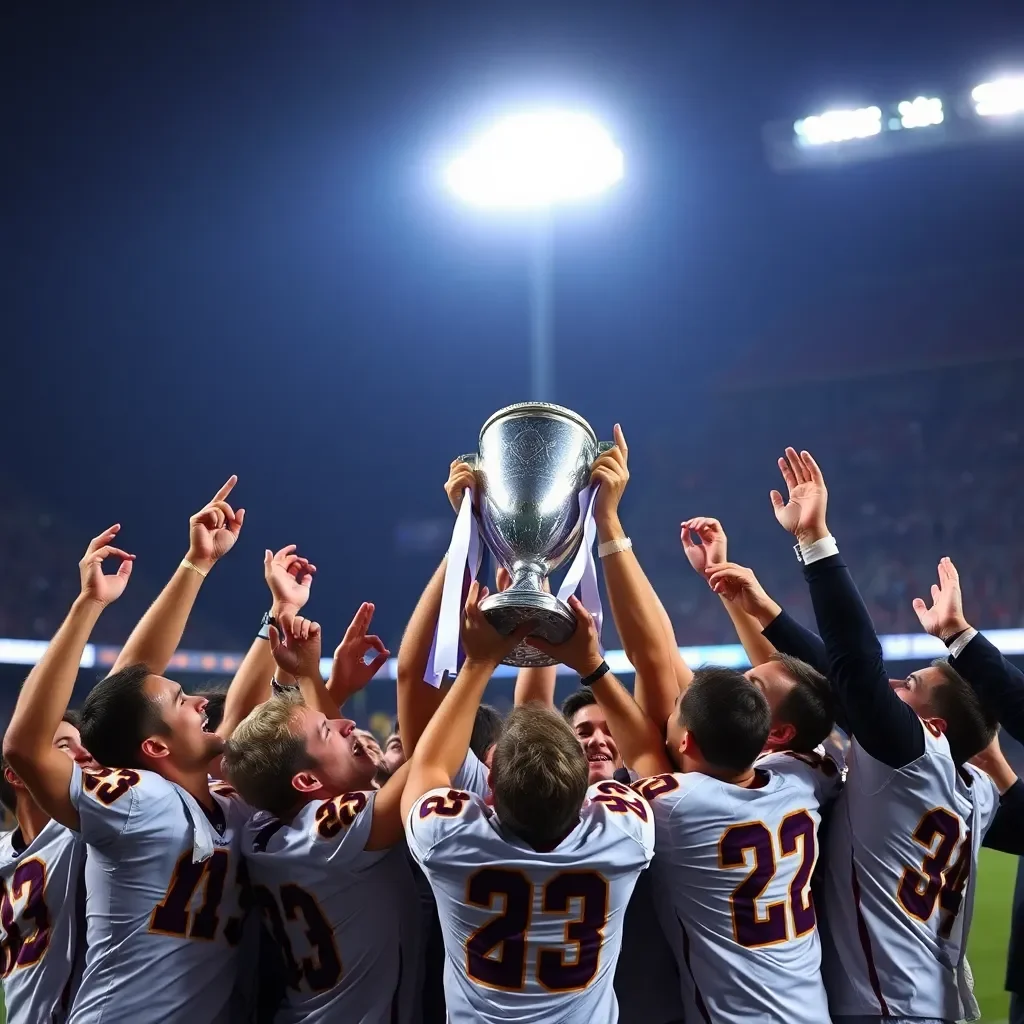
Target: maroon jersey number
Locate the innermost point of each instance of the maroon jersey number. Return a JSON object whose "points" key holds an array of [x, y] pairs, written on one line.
{"points": [[565, 969]]}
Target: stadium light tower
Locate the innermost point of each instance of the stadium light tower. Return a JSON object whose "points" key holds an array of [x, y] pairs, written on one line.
{"points": [[533, 162]]}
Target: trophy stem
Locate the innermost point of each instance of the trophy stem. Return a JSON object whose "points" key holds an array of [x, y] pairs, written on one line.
{"points": [[528, 577]]}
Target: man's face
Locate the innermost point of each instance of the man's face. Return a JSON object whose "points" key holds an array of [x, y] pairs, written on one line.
{"points": [[394, 754], [773, 681], [591, 730], [68, 739], [191, 746], [340, 759], [918, 688]]}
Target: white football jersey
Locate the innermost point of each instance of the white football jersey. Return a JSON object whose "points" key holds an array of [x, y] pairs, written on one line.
{"points": [[163, 926], [338, 911], [735, 864], [43, 943], [531, 936], [473, 777], [901, 854]]}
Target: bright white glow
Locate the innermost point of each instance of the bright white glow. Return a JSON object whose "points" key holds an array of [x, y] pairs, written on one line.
{"points": [[921, 112], [1003, 96], [536, 160], [838, 126]]}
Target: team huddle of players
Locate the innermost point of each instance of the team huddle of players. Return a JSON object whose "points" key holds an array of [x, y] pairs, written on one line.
{"points": [[811, 828]]}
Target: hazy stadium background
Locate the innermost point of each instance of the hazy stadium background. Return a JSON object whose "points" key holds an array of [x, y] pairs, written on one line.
{"points": [[225, 252]]}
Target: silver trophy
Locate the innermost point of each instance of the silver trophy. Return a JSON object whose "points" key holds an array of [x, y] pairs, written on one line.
{"points": [[533, 462]]}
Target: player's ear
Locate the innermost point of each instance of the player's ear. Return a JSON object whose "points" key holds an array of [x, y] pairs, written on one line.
{"points": [[155, 747], [305, 782], [781, 736], [937, 726], [12, 778], [688, 745]]}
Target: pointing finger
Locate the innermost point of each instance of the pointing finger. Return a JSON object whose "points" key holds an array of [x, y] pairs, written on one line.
{"points": [[227, 488]]}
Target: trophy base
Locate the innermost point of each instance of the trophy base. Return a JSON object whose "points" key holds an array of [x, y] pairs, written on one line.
{"points": [[553, 621]]}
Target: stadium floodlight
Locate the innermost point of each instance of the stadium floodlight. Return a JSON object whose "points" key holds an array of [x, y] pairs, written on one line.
{"points": [[999, 98], [921, 112], [532, 162], [535, 160], [838, 126]]}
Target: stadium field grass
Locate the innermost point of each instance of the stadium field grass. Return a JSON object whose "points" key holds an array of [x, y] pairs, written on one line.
{"points": [[990, 935]]}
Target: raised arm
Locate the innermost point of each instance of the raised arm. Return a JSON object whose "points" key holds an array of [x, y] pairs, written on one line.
{"points": [[637, 736], [711, 555], [417, 700], [288, 576], [657, 699], [998, 683], [28, 742], [213, 531], [635, 606], [887, 728], [350, 671], [1006, 833], [445, 741]]}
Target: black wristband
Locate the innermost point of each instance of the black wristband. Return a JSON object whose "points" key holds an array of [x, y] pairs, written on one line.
{"points": [[268, 621], [602, 670], [949, 641], [282, 688]]}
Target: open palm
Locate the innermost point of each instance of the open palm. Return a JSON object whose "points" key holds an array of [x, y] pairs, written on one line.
{"points": [[803, 514]]}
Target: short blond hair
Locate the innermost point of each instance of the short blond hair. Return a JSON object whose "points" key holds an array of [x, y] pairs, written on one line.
{"points": [[264, 753], [539, 775]]}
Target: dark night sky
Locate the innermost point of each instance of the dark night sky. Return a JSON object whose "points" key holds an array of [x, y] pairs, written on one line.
{"points": [[223, 250]]}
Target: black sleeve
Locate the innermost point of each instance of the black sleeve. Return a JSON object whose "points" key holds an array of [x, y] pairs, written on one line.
{"points": [[885, 727], [786, 635], [998, 683], [1007, 830]]}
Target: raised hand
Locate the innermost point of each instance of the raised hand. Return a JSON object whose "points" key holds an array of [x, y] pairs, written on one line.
{"points": [[803, 514], [945, 618], [213, 530], [349, 670], [482, 643], [96, 586], [295, 644], [582, 651], [739, 586], [460, 477], [611, 471], [289, 577], [713, 542]]}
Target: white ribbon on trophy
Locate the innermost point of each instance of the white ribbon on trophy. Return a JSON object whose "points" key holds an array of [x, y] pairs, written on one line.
{"points": [[583, 571], [465, 551]]}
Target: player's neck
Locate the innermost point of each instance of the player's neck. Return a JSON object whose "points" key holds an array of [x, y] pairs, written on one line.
{"points": [[744, 779], [195, 783], [32, 819]]}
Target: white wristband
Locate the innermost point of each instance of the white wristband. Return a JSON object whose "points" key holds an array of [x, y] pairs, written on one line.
{"points": [[612, 547]]}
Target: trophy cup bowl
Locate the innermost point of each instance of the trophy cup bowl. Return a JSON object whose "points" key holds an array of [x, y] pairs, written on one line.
{"points": [[534, 460]]}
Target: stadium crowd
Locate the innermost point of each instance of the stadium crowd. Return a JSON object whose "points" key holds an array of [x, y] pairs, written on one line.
{"points": [[706, 848]]}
